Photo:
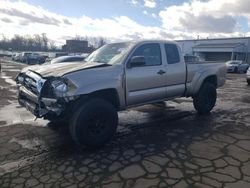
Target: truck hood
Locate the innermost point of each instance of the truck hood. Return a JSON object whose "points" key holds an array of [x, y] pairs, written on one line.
{"points": [[61, 69]]}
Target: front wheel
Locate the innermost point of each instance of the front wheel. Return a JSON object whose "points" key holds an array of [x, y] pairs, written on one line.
{"points": [[94, 123], [205, 99]]}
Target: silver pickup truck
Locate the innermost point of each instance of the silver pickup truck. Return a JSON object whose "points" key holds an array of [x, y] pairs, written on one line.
{"points": [[87, 95]]}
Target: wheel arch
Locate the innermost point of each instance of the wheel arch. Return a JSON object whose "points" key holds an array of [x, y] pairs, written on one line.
{"points": [[210, 78], [110, 95]]}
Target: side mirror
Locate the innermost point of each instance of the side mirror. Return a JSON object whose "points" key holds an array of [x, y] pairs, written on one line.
{"points": [[137, 61]]}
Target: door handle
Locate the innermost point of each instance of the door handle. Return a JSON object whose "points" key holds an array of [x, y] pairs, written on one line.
{"points": [[161, 72]]}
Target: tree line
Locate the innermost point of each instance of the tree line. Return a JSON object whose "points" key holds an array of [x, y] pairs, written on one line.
{"points": [[27, 43], [95, 42], [40, 42]]}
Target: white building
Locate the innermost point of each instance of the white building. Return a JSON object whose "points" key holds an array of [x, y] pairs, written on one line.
{"points": [[222, 49]]}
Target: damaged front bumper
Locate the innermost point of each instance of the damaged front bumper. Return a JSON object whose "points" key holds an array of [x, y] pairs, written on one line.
{"points": [[39, 106], [44, 97], [36, 95]]}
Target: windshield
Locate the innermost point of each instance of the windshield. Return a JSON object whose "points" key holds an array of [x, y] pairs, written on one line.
{"points": [[110, 53]]}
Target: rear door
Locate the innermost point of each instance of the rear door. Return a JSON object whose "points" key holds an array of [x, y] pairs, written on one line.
{"points": [[148, 82], [176, 71]]}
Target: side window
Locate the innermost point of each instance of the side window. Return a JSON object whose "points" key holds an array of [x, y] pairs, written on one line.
{"points": [[151, 52], [172, 53]]}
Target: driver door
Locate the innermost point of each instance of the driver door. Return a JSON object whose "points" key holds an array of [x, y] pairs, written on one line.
{"points": [[147, 82]]}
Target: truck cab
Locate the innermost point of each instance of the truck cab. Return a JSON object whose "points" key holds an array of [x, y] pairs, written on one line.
{"points": [[160, 75]]}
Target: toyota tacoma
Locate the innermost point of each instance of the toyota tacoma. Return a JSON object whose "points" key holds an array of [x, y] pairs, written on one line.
{"points": [[87, 95]]}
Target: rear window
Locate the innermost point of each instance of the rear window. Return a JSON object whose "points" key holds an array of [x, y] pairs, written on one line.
{"points": [[172, 53]]}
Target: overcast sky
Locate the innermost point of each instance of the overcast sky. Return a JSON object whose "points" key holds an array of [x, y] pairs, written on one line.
{"points": [[126, 19]]}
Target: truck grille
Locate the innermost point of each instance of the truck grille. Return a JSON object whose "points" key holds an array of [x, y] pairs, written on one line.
{"points": [[30, 84], [29, 81]]}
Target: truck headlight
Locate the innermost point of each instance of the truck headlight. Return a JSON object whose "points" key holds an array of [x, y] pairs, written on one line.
{"points": [[60, 87], [20, 79], [63, 87]]}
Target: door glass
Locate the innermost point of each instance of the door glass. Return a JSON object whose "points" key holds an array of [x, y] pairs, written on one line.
{"points": [[172, 53], [151, 52]]}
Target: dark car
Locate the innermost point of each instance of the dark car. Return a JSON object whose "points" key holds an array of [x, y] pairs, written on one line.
{"points": [[64, 59], [32, 58]]}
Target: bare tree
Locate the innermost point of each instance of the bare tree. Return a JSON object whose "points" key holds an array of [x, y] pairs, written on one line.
{"points": [[42, 43], [101, 42], [45, 41], [51, 45]]}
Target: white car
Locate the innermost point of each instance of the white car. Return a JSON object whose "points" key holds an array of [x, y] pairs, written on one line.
{"points": [[237, 66]]}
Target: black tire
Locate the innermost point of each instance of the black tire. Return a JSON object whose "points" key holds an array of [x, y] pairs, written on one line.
{"points": [[94, 123], [248, 82], [205, 99]]}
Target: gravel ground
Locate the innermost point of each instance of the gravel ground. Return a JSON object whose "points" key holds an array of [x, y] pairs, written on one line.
{"points": [[155, 145]]}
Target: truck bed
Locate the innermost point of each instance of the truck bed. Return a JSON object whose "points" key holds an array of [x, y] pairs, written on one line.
{"points": [[198, 70]]}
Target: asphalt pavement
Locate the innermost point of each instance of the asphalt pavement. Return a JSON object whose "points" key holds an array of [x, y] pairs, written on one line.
{"points": [[161, 145]]}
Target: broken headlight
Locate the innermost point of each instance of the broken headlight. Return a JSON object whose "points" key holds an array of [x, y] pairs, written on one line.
{"points": [[19, 79], [62, 86]]}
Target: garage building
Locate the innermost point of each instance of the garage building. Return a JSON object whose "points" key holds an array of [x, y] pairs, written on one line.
{"points": [[221, 49]]}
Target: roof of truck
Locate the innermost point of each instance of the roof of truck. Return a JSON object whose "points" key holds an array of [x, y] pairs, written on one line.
{"points": [[154, 40]]}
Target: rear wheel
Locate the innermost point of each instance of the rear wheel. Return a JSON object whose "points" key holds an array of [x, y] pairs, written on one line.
{"points": [[248, 82], [94, 123], [205, 99]]}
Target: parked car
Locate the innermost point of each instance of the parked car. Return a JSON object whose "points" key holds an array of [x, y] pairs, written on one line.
{"points": [[85, 55], [248, 76], [16, 56], [44, 57], [116, 77], [24, 56], [53, 55], [13, 55], [4, 53], [31, 58], [237, 66], [64, 59]]}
